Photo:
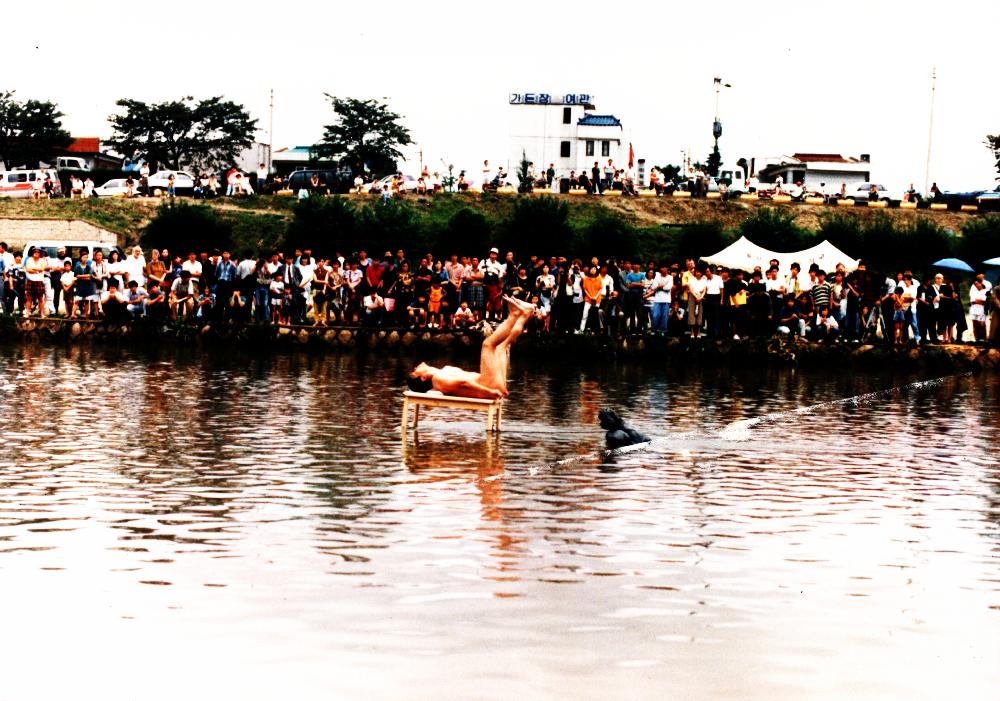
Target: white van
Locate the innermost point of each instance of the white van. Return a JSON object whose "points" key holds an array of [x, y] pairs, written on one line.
{"points": [[25, 183], [50, 248]]}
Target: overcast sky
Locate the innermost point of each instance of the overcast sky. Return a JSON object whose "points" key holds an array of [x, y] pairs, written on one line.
{"points": [[854, 79]]}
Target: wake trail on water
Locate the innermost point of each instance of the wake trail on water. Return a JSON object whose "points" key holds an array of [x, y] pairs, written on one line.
{"points": [[742, 430]]}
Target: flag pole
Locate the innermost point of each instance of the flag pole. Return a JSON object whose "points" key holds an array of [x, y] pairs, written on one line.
{"points": [[930, 133]]}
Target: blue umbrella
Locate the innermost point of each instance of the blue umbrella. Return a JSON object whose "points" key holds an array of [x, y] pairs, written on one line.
{"points": [[992, 261], [954, 264]]}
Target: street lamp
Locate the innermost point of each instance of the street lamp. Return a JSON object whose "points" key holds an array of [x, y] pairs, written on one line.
{"points": [[717, 124], [715, 162]]}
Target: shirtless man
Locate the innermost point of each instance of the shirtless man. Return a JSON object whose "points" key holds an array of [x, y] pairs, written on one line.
{"points": [[491, 380]]}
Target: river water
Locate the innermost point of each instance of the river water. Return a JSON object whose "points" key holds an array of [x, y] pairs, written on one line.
{"points": [[182, 525]]}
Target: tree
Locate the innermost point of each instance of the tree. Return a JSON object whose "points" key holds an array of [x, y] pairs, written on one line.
{"points": [[671, 173], [366, 137], [202, 134], [30, 131], [993, 144], [522, 174], [714, 163]]}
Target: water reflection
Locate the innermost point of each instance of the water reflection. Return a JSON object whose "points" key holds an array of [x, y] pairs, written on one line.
{"points": [[248, 512]]}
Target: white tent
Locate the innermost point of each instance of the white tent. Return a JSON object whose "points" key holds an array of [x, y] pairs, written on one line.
{"points": [[746, 255]]}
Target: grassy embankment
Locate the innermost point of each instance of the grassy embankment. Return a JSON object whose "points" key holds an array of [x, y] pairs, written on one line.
{"points": [[654, 227]]}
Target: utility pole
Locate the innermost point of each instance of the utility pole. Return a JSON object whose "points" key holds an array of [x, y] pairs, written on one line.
{"points": [[930, 133], [270, 134], [717, 124]]}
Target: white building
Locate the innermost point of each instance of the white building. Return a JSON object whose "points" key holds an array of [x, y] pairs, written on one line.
{"points": [[830, 169], [563, 130]]}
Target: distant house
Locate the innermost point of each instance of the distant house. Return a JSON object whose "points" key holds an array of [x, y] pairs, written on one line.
{"points": [[87, 151], [829, 169], [562, 129]]}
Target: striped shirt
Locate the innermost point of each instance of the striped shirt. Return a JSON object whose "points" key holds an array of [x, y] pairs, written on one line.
{"points": [[821, 295]]}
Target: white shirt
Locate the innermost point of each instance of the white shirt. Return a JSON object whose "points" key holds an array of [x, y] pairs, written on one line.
{"points": [[193, 267], [133, 267], [715, 286], [609, 284], [546, 283], [977, 296], [911, 291], [774, 285], [246, 267], [35, 271], [494, 267], [698, 287], [662, 285]]}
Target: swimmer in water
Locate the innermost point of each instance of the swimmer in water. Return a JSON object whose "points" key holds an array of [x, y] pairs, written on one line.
{"points": [[491, 380], [618, 434]]}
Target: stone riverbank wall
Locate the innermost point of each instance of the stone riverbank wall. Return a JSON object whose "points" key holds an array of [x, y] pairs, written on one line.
{"points": [[429, 344]]}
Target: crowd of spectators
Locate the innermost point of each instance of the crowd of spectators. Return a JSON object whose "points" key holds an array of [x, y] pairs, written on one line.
{"points": [[570, 296]]}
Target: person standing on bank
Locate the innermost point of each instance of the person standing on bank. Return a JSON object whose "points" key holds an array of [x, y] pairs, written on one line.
{"points": [[697, 288]]}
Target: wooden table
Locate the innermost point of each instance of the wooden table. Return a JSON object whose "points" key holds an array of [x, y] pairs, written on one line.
{"points": [[493, 408]]}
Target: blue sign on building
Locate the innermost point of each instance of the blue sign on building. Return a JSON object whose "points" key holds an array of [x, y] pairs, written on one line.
{"points": [[544, 98]]}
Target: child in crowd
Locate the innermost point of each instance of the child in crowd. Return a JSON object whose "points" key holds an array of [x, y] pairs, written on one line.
{"points": [[542, 316], [675, 319], [464, 317], [276, 300], [898, 315], [67, 280], [416, 313], [435, 295], [205, 302]]}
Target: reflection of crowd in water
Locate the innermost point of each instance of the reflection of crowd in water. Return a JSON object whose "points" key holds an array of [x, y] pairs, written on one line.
{"points": [[570, 296]]}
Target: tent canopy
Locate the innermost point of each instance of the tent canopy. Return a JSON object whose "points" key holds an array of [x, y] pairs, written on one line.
{"points": [[746, 255]]}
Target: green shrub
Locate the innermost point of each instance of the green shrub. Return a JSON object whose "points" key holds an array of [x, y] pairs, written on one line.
{"points": [[537, 226], [468, 232], [184, 227], [980, 240], [608, 234], [388, 225], [843, 231], [773, 229], [327, 225]]}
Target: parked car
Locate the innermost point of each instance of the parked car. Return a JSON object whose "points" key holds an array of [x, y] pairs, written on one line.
{"points": [[50, 248], [863, 192], [158, 182], [408, 184], [25, 183], [330, 179], [71, 163], [115, 188]]}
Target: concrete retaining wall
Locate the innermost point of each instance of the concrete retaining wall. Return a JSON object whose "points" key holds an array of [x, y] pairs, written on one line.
{"points": [[18, 232]]}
